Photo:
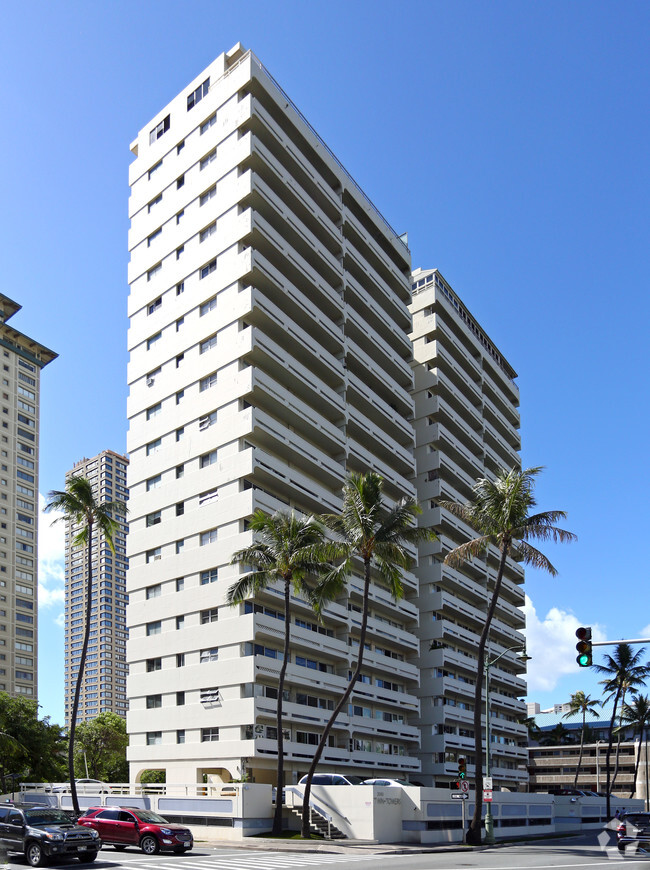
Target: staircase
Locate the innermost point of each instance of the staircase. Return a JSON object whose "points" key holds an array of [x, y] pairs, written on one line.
{"points": [[318, 824]]}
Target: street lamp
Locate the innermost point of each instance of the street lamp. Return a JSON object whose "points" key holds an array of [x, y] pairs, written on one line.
{"points": [[523, 657]]}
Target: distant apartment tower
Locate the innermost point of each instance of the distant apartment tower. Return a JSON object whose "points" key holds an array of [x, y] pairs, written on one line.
{"points": [[22, 361], [104, 685], [269, 357], [467, 426]]}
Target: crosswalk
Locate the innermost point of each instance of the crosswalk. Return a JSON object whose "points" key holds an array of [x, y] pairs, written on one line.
{"points": [[217, 859]]}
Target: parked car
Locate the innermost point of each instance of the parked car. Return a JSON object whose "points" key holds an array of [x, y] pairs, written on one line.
{"points": [[131, 826], [401, 782], [41, 833], [633, 830], [332, 779], [84, 786]]}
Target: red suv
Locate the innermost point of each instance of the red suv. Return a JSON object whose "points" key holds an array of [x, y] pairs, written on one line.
{"points": [[131, 826]]}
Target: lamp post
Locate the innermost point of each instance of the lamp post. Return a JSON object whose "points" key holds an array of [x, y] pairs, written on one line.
{"points": [[523, 657]]}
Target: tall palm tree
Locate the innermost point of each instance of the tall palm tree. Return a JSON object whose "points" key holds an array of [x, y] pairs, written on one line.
{"points": [[500, 510], [558, 736], [378, 536], [286, 550], [623, 672], [582, 704], [637, 715], [620, 731], [78, 505]]}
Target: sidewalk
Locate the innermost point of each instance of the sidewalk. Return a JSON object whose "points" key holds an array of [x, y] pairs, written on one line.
{"points": [[339, 847]]}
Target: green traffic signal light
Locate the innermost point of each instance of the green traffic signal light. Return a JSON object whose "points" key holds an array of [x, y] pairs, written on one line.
{"points": [[584, 647], [462, 768]]}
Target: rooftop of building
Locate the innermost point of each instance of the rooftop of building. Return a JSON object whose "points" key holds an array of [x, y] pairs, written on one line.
{"points": [[18, 341]]}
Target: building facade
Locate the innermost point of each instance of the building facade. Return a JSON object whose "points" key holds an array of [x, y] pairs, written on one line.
{"points": [[269, 356], [104, 684], [467, 426], [22, 361]]}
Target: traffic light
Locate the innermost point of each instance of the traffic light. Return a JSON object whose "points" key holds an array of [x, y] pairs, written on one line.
{"points": [[584, 657], [462, 768]]}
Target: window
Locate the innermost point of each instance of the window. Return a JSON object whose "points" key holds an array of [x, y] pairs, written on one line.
{"points": [[154, 202], [155, 168], [209, 735], [179, 396], [154, 628], [180, 508], [209, 655], [159, 130], [154, 482], [179, 323], [151, 273], [154, 701], [180, 251], [154, 591], [208, 382], [210, 576], [154, 410], [208, 344], [208, 420], [208, 459], [209, 157], [180, 433], [180, 584], [208, 306], [180, 181], [154, 665], [180, 288], [154, 738], [180, 735], [208, 496], [180, 699], [180, 623], [180, 215], [210, 230], [154, 446], [180, 660], [180, 146], [207, 195], [153, 518], [197, 95], [154, 235], [153, 555], [211, 615], [209, 268], [180, 471], [152, 341], [208, 537], [205, 126]]}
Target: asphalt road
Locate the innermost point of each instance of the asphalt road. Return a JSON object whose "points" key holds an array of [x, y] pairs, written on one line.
{"points": [[587, 851]]}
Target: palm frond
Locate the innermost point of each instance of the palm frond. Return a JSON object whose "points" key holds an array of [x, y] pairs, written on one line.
{"points": [[468, 551], [532, 556]]}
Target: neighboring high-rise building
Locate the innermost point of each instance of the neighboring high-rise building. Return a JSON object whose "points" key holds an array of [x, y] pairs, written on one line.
{"points": [[269, 356], [22, 361], [467, 426], [104, 685]]}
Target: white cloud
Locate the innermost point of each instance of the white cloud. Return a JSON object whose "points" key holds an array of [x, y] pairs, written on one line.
{"points": [[551, 642], [645, 632], [51, 562]]}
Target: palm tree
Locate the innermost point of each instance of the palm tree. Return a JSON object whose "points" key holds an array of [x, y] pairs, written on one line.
{"points": [[78, 505], [558, 736], [500, 510], [624, 672], [286, 550], [582, 704], [625, 688], [378, 536], [637, 715]]}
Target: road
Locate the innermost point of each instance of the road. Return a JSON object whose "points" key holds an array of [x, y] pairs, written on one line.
{"points": [[583, 851]]}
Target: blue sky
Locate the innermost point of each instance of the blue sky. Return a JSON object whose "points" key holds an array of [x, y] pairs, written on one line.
{"points": [[508, 138]]}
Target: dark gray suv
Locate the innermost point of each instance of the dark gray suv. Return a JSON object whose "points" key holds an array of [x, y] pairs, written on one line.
{"points": [[41, 833]]}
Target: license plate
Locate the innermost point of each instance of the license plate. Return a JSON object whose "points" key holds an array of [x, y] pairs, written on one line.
{"points": [[81, 848]]}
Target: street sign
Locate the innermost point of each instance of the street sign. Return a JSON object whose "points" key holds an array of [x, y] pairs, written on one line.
{"points": [[487, 783], [461, 796], [487, 794], [464, 785]]}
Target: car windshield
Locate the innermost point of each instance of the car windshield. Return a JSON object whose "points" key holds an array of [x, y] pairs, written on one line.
{"points": [[46, 816], [148, 816]]}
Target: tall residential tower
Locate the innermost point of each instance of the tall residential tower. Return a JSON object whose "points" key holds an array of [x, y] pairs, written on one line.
{"points": [[22, 361], [467, 426], [104, 684], [269, 356]]}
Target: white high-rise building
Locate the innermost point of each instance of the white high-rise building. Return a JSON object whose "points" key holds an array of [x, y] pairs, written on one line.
{"points": [[269, 356], [103, 689], [467, 426], [22, 361]]}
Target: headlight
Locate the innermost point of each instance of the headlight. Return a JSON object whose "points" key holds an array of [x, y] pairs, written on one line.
{"points": [[57, 837], [93, 833], [165, 831]]}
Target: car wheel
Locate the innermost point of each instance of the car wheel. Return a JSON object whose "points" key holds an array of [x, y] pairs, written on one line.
{"points": [[35, 855], [621, 847], [149, 845], [89, 858]]}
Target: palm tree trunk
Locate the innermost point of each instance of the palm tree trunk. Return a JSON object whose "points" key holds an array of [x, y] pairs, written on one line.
{"points": [[277, 818], [80, 673], [474, 832], [305, 832], [618, 740], [582, 743], [610, 740], [638, 760]]}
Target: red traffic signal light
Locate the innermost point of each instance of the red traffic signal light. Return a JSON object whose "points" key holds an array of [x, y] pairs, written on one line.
{"points": [[584, 647]]}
